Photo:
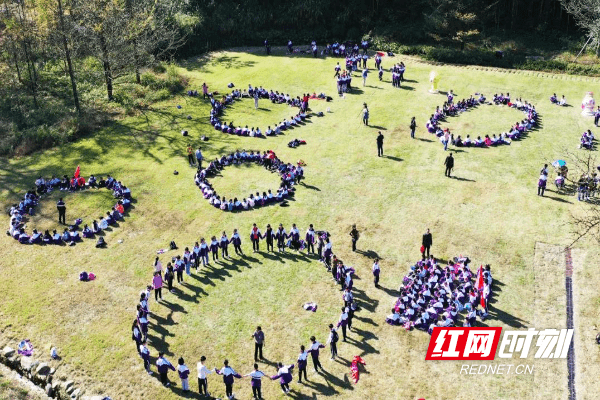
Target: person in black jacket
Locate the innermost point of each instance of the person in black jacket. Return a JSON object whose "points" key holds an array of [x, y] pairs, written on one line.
{"points": [[62, 211], [449, 163], [379, 145], [427, 242]]}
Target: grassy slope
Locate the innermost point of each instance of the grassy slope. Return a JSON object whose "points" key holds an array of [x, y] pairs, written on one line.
{"points": [[493, 216]]}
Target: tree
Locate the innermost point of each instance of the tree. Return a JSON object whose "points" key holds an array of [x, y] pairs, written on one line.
{"points": [[587, 15], [453, 20]]}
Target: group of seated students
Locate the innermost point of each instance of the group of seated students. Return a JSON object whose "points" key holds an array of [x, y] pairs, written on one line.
{"points": [[432, 295], [275, 97], [587, 140], [559, 102], [290, 175], [70, 235], [450, 108]]}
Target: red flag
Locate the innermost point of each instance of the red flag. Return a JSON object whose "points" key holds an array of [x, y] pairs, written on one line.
{"points": [[381, 54], [483, 302], [77, 171], [480, 278]]}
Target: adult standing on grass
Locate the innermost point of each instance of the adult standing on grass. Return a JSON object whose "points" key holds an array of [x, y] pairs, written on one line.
{"points": [[190, 153], [354, 234], [136, 336], [365, 114], [256, 99], [164, 366], [202, 377], [364, 75], [62, 211], [380, 145], [259, 341], [427, 242], [199, 157], [413, 126], [204, 90], [449, 163]]}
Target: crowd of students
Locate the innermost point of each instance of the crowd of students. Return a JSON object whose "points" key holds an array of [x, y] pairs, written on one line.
{"points": [[289, 174], [432, 295], [295, 120], [199, 254], [452, 108], [71, 235]]}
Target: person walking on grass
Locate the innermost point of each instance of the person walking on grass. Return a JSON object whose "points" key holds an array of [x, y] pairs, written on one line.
{"points": [[190, 153], [202, 377], [427, 242], [204, 90], [380, 145], [259, 341], [365, 114], [413, 126], [364, 75], [284, 374], [449, 163]]}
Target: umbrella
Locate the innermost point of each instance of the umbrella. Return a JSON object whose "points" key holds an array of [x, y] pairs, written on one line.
{"points": [[559, 163]]}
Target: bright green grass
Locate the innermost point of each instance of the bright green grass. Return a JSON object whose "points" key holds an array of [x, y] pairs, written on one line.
{"points": [[492, 214]]}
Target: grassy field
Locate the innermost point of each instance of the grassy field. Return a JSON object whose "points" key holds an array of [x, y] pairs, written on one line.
{"points": [[490, 212]]}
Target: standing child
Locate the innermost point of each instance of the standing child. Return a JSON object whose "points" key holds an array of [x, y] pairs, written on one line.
{"points": [[224, 244], [214, 248], [169, 276], [255, 237], [310, 239], [313, 349], [157, 283], [204, 252], [228, 374], [302, 364], [164, 366], [284, 375], [256, 377], [268, 235], [183, 371], [280, 235], [237, 242], [332, 341], [376, 271], [145, 353], [202, 377]]}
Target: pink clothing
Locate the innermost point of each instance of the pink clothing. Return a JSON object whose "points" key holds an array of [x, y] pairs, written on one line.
{"points": [[157, 282]]}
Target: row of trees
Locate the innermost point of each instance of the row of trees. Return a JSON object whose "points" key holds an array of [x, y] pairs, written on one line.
{"points": [[123, 35]]}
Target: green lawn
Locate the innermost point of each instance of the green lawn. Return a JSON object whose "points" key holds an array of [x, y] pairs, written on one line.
{"points": [[491, 214]]}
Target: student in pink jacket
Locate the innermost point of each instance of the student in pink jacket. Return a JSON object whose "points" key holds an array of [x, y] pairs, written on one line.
{"points": [[157, 282]]}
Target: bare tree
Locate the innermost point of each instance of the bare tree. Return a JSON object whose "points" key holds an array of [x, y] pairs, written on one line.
{"points": [[587, 16]]}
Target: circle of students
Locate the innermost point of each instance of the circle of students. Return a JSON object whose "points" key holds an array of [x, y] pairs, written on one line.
{"points": [[296, 120], [433, 296], [199, 254], [70, 236], [452, 108], [290, 176]]}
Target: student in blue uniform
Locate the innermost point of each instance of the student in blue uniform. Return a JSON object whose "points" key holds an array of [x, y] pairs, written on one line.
{"points": [[163, 365], [302, 364], [280, 235], [313, 349], [237, 242], [224, 244], [310, 239]]}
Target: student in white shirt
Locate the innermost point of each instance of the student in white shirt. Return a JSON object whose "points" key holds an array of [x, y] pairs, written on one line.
{"points": [[202, 374]]}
